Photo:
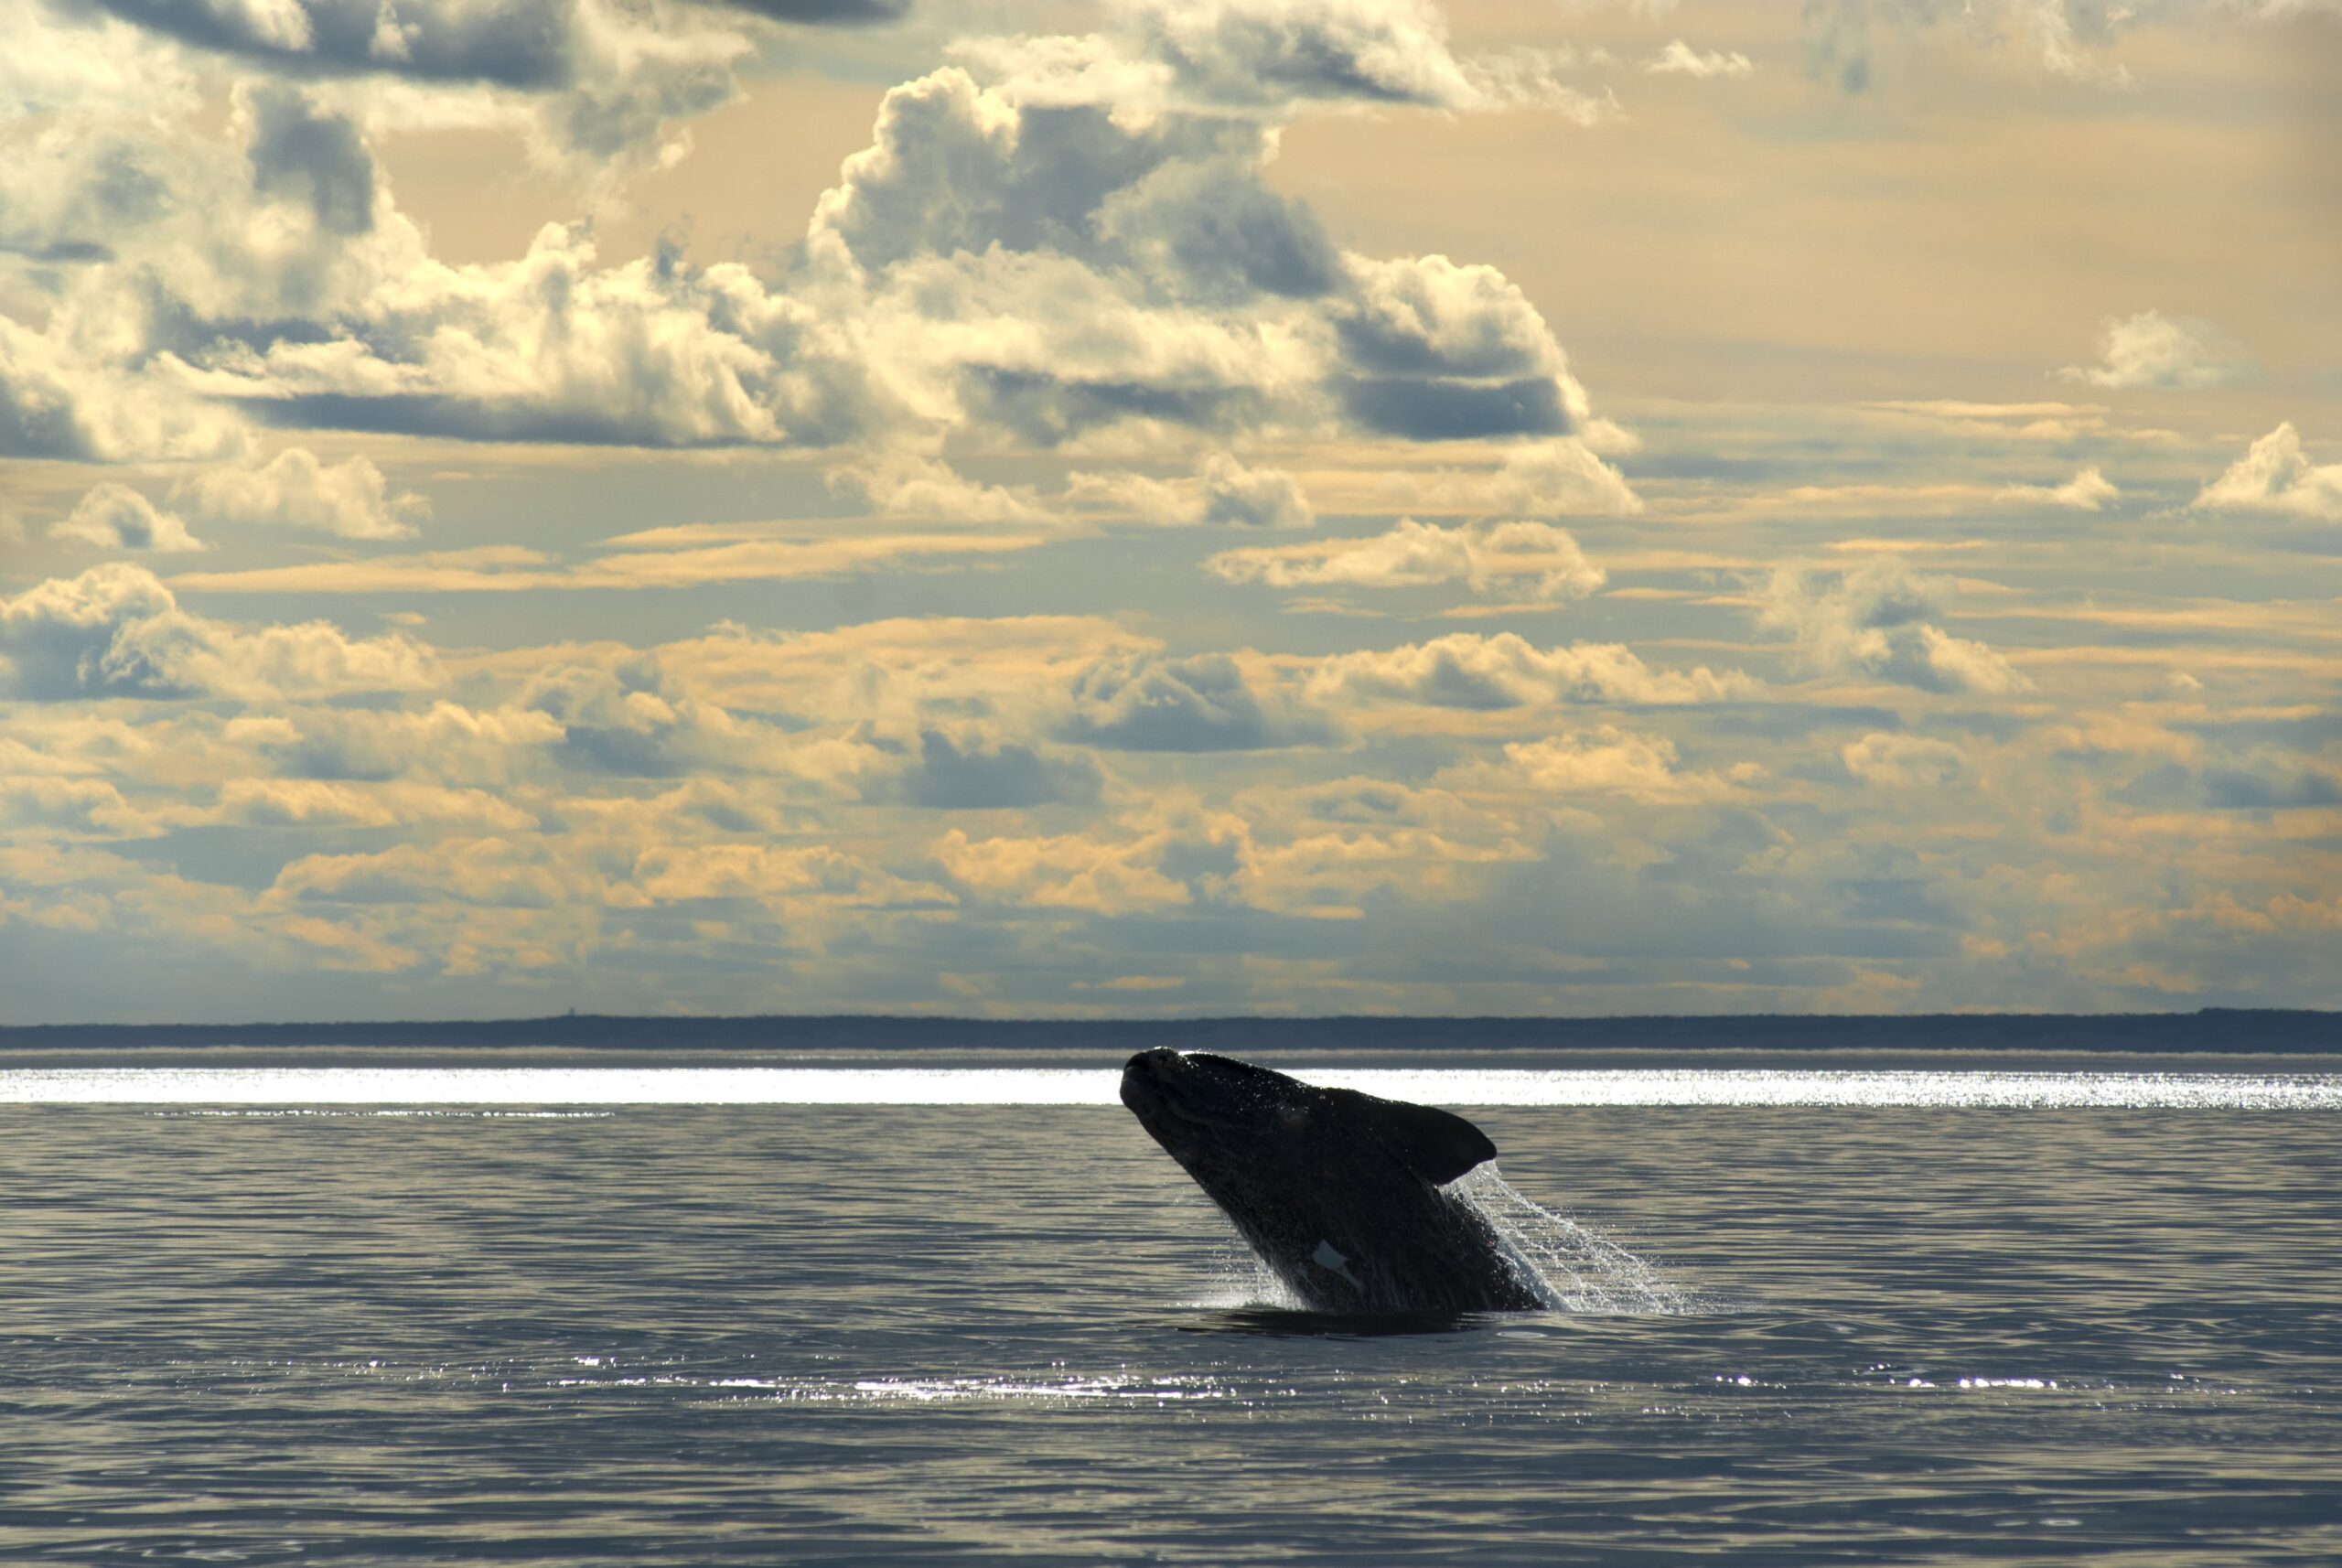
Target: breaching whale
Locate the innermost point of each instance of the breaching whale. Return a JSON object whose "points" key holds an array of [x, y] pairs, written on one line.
{"points": [[1342, 1195]]}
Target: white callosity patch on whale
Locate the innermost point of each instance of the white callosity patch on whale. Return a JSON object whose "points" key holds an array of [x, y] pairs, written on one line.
{"points": [[1334, 1262]]}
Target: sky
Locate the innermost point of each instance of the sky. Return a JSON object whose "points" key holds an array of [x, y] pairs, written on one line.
{"points": [[1241, 506]]}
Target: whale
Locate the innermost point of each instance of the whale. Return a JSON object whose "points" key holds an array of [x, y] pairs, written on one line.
{"points": [[1344, 1196]]}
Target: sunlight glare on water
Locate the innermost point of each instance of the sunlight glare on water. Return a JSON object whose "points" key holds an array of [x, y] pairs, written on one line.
{"points": [[1062, 1086]]}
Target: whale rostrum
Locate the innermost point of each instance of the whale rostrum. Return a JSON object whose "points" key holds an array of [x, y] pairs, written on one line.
{"points": [[1342, 1195]]}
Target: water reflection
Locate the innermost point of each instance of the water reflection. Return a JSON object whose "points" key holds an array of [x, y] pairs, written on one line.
{"points": [[763, 1333]]}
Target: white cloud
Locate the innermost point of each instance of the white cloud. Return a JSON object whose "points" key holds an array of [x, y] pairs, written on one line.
{"points": [[1275, 57], [1469, 671], [1874, 622], [2172, 352], [1070, 871], [1554, 476], [116, 631], [1043, 271], [907, 485], [1679, 58], [1903, 761], [293, 489], [1518, 560], [1605, 760], [115, 517], [2277, 477], [2088, 491], [1225, 493], [57, 401]]}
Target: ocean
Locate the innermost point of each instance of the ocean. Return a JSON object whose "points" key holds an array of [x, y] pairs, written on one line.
{"points": [[385, 1308]]}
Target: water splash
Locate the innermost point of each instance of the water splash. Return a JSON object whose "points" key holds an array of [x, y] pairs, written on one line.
{"points": [[1574, 1268], [1241, 1282]]}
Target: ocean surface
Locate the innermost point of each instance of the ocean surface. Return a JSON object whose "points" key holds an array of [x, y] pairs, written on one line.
{"points": [[522, 1311]]}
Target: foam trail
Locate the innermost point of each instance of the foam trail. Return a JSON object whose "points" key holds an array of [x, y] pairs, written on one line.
{"points": [[1574, 1268]]}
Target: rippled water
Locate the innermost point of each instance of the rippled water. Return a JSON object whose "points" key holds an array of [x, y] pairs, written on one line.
{"points": [[2101, 1327]]}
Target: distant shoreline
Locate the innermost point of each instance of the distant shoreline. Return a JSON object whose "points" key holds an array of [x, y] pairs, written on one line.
{"points": [[2224, 1031]]}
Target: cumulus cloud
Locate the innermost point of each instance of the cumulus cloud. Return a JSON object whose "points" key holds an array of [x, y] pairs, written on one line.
{"points": [[631, 718], [57, 401], [972, 771], [1902, 761], [1516, 560], [2171, 352], [1679, 58], [906, 484], [2088, 491], [1469, 671], [1873, 623], [447, 742], [2277, 477], [1441, 351], [1225, 494], [1070, 871], [607, 80], [1047, 268], [1605, 760], [1275, 57], [115, 517], [293, 489], [116, 631], [1152, 702]]}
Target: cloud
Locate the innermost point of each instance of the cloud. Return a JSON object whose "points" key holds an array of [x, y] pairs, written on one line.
{"points": [[2170, 352], [1872, 623], [905, 484], [1605, 760], [1441, 352], [782, 877], [632, 718], [311, 802], [1679, 58], [1517, 560], [88, 807], [116, 631], [1037, 269], [115, 517], [293, 489], [55, 403], [1901, 762], [1071, 871], [1556, 477], [504, 568], [979, 773], [1275, 57], [1469, 671], [2060, 37], [604, 80], [1153, 703], [1224, 494], [2088, 491], [447, 743], [2277, 477]]}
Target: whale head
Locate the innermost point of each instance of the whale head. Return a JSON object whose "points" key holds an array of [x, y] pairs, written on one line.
{"points": [[1341, 1194]]}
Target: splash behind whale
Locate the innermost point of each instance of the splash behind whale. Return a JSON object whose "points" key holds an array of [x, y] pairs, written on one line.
{"points": [[1343, 1195]]}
